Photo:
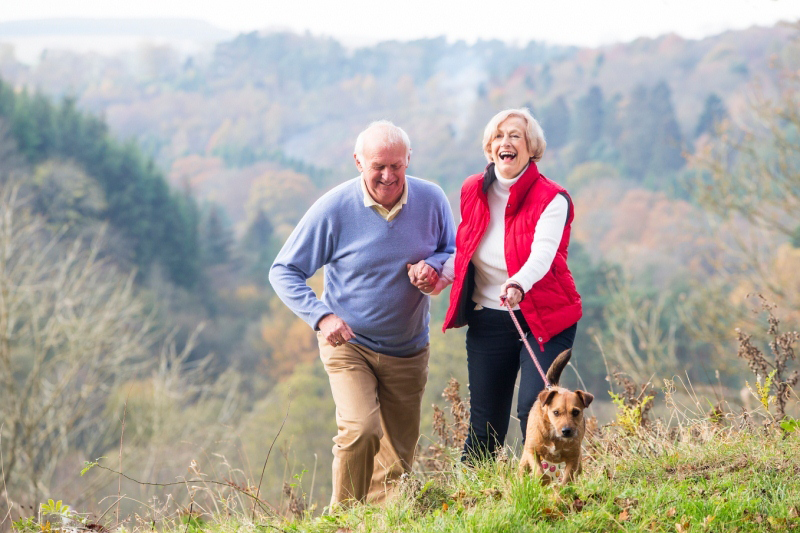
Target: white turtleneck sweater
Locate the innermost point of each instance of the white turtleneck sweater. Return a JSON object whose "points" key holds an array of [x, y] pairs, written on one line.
{"points": [[491, 271]]}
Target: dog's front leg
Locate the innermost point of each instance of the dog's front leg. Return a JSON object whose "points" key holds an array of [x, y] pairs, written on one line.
{"points": [[531, 462], [571, 469]]}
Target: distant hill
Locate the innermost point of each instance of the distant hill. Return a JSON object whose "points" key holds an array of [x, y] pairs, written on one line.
{"points": [[267, 120]]}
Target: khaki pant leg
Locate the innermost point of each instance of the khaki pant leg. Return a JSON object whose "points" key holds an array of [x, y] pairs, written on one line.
{"points": [[401, 383], [354, 389]]}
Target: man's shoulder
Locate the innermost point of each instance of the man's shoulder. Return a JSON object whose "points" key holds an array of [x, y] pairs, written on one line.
{"points": [[424, 186], [339, 194]]}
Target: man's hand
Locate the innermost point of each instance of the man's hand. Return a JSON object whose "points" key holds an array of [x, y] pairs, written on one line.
{"points": [[335, 330], [511, 292], [422, 276]]}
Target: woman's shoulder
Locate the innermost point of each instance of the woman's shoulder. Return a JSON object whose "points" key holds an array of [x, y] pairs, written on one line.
{"points": [[544, 181], [473, 182]]}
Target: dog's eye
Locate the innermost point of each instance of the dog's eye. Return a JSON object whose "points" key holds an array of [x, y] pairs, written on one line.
{"points": [[556, 412], [575, 412]]}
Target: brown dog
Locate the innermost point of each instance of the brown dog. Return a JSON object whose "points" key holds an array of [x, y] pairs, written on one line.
{"points": [[556, 426]]}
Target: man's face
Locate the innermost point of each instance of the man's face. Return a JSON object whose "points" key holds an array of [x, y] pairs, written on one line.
{"points": [[384, 171]]}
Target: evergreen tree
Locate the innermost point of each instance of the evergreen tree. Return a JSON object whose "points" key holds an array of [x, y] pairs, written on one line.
{"points": [[259, 248], [556, 123], [259, 234], [714, 112], [217, 238], [666, 134], [138, 200], [636, 141], [589, 119]]}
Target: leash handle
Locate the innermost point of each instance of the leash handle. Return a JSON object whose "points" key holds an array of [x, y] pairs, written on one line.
{"points": [[525, 340]]}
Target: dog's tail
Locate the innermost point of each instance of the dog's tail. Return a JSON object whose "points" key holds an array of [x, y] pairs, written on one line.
{"points": [[558, 366]]}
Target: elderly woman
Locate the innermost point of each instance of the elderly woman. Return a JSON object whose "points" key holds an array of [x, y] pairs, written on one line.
{"points": [[511, 244]]}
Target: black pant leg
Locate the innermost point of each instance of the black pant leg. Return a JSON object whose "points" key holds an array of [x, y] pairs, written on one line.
{"points": [[493, 363]]}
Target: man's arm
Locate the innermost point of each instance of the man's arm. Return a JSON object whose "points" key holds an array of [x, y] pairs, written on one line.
{"points": [[309, 247], [447, 234]]}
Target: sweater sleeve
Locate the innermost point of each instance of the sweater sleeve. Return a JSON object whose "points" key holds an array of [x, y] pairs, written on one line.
{"points": [[446, 244], [309, 247], [449, 269], [547, 237]]}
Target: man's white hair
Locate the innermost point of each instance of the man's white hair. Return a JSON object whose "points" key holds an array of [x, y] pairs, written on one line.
{"points": [[385, 133]]}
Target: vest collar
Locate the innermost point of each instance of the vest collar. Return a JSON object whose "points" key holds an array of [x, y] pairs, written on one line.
{"points": [[519, 190]]}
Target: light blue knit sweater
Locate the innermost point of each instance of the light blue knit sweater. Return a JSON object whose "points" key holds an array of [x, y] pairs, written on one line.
{"points": [[365, 257]]}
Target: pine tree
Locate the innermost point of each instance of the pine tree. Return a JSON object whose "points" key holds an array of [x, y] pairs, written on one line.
{"points": [[636, 140], [714, 112], [666, 134], [217, 238], [259, 248], [589, 119], [556, 123]]}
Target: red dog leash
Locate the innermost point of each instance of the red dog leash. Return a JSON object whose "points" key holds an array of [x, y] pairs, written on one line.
{"points": [[525, 340]]}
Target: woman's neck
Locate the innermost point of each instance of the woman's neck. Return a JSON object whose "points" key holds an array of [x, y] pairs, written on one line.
{"points": [[502, 176]]}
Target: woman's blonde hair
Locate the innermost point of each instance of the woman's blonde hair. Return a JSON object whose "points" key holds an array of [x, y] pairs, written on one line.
{"points": [[533, 132]]}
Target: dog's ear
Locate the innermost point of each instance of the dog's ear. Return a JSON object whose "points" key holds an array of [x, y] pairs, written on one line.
{"points": [[585, 397], [546, 396]]}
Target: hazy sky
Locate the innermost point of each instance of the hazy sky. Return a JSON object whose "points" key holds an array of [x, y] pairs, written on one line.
{"points": [[583, 22]]}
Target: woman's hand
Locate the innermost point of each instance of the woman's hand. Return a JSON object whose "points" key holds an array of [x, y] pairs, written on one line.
{"points": [[422, 276], [511, 291]]}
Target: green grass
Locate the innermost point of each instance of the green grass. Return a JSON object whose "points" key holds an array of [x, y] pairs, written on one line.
{"points": [[703, 479]]}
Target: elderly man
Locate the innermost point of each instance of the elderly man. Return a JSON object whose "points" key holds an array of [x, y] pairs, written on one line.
{"points": [[371, 233]]}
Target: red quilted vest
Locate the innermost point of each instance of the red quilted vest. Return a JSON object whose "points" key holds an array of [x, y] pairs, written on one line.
{"points": [[553, 304]]}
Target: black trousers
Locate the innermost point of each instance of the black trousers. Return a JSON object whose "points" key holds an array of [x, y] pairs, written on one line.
{"points": [[495, 353]]}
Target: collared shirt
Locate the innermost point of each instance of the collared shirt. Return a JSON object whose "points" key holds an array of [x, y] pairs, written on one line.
{"points": [[387, 214]]}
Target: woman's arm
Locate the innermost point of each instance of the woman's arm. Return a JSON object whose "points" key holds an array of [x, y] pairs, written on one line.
{"points": [[547, 237]]}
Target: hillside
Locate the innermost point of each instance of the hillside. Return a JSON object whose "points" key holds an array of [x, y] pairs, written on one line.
{"points": [[183, 175]]}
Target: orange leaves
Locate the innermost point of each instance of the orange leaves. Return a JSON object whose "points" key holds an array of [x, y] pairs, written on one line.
{"points": [[289, 341]]}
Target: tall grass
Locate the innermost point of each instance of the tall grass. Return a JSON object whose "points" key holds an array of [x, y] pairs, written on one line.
{"points": [[700, 466]]}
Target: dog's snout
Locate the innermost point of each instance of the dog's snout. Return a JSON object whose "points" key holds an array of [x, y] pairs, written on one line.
{"points": [[567, 432]]}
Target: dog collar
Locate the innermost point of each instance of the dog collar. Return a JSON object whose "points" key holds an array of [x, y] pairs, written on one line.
{"points": [[553, 470]]}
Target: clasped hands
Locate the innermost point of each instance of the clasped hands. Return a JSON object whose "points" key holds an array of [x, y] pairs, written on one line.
{"points": [[422, 276]]}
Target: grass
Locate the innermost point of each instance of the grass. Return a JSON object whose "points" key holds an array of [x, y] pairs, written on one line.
{"points": [[740, 482], [698, 471], [705, 478]]}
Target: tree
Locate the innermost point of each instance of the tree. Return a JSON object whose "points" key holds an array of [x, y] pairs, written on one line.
{"points": [[217, 238], [665, 134], [259, 247], [139, 202], [589, 119], [70, 329], [556, 123], [651, 142], [714, 112], [748, 179]]}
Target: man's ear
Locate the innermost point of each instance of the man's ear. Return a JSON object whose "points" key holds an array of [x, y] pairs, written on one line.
{"points": [[358, 163], [546, 396], [585, 397]]}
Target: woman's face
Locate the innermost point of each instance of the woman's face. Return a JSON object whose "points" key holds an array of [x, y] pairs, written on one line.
{"points": [[510, 147]]}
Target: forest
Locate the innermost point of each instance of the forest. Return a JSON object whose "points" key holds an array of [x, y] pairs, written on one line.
{"points": [[144, 196]]}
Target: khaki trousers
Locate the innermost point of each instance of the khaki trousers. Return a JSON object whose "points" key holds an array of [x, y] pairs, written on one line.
{"points": [[378, 400]]}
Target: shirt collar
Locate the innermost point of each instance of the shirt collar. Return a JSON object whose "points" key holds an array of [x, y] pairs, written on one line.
{"points": [[370, 202]]}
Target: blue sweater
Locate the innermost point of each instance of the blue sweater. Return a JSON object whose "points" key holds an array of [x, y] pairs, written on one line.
{"points": [[365, 257]]}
